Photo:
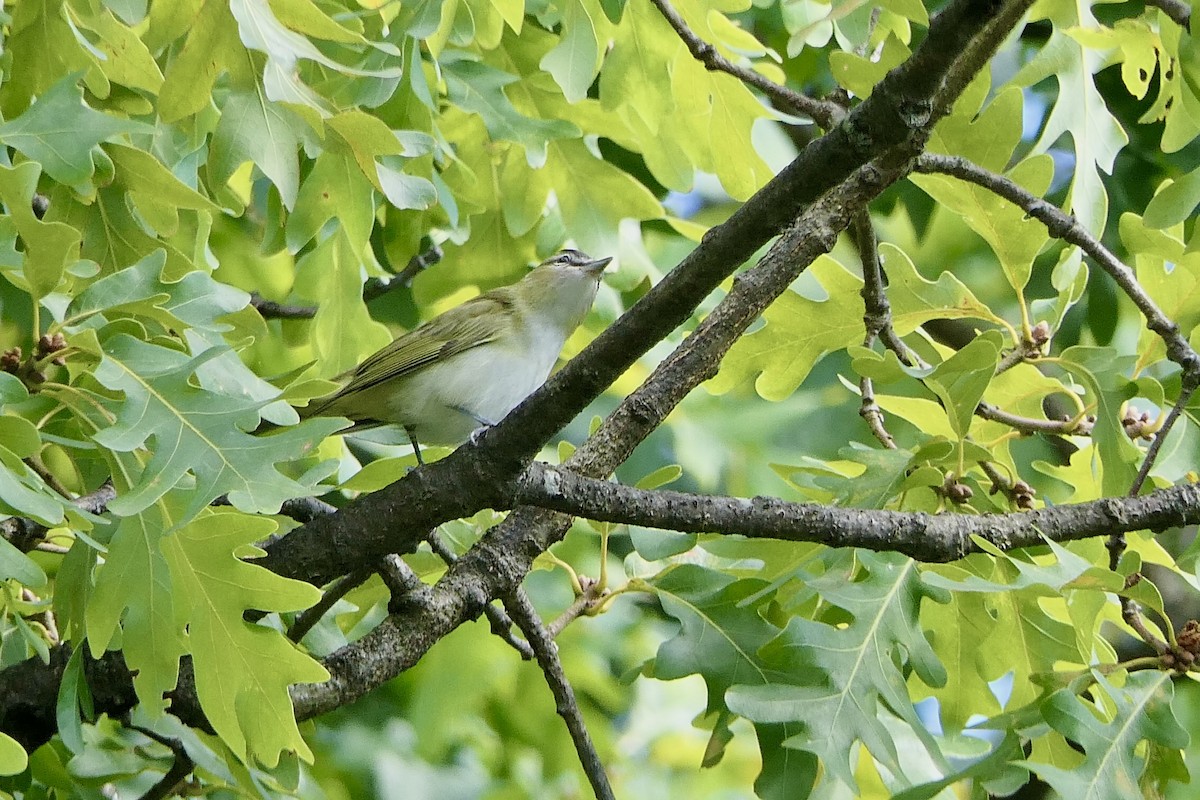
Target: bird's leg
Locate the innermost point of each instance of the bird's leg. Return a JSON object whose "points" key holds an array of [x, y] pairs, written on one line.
{"points": [[416, 446], [483, 423]]}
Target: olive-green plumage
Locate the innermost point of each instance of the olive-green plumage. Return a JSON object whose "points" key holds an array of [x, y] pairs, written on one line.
{"points": [[473, 364]]}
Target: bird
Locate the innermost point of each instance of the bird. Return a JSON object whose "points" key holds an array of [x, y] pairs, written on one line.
{"points": [[466, 368]]}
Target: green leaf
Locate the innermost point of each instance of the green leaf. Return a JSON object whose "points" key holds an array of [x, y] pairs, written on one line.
{"points": [[643, 41], [61, 132], [1014, 236], [17, 566], [161, 404], [886, 470], [1079, 109], [479, 88], [156, 193], [575, 60], [1139, 711], [378, 474], [134, 592], [660, 477], [799, 332], [50, 247], [264, 133], [720, 631], [243, 670], [196, 301], [74, 703], [406, 191], [212, 48], [1174, 202], [122, 56], [113, 236], [961, 380], [23, 493], [1104, 372], [594, 216], [995, 764], [1167, 272], [333, 273], [13, 759], [11, 389], [335, 189], [841, 675]]}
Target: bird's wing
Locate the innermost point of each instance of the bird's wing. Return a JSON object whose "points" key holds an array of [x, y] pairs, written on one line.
{"points": [[474, 323]]}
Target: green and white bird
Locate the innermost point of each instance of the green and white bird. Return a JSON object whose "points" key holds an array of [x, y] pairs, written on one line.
{"points": [[470, 366]]}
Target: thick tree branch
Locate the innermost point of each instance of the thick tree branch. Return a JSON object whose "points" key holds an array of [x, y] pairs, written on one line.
{"points": [[926, 537]]}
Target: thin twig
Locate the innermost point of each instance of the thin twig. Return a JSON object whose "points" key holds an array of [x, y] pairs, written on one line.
{"points": [[311, 616], [1179, 350], [1179, 12], [877, 316], [1130, 611], [1016, 490], [1132, 614], [1018, 355], [872, 414], [588, 600], [501, 623], [1077, 426], [377, 287], [45, 617], [824, 113], [270, 309], [181, 767], [877, 320], [564, 696], [1160, 436], [25, 534], [35, 464], [1065, 227]]}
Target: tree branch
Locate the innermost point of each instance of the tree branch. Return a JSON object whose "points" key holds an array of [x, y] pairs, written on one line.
{"points": [[896, 118], [24, 533], [567, 706], [1178, 11], [925, 537], [1065, 227], [1079, 426], [270, 309], [502, 625], [823, 112]]}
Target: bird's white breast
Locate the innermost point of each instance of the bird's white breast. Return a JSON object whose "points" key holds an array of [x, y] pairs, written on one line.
{"points": [[444, 403]]}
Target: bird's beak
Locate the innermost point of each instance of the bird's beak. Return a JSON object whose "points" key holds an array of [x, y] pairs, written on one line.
{"points": [[596, 266]]}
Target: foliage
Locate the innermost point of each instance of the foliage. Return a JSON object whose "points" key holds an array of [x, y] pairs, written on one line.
{"points": [[176, 175]]}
